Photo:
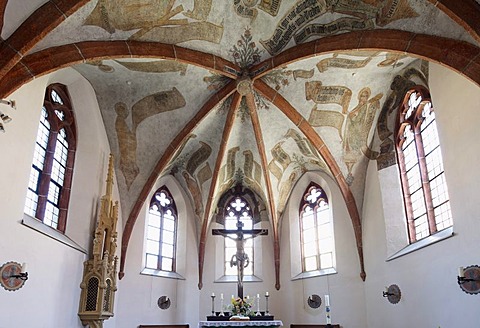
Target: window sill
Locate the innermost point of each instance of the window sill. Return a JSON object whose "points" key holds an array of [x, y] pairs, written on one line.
{"points": [[160, 273], [39, 226], [234, 279], [439, 236], [316, 273]]}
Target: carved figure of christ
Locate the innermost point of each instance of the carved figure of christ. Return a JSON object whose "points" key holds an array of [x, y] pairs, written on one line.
{"points": [[240, 258]]}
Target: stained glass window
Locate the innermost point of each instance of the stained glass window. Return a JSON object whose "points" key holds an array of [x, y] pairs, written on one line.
{"points": [[421, 165], [316, 230], [161, 234], [49, 185]]}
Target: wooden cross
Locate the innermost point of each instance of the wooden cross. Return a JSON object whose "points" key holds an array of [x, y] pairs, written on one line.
{"points": [[240, 258]]}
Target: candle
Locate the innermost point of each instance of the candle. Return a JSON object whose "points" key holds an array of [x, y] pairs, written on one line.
{"points": [[461, 272], [258, 295], [221, 296], [233, 297], [248, 297], [24, 267], [213, 294], [327, 300], [386, 289], [266, 294]]}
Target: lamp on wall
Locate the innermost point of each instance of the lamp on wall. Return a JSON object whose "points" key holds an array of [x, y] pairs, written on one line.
{"points": [[469, 279], [393, 294], [13, 275], [4, 118]]}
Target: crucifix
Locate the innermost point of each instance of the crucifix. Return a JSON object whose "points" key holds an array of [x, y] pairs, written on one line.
{"points": [[240, 258]]}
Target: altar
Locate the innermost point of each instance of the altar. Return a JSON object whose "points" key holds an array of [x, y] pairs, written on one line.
{"points": [[243, 324]]}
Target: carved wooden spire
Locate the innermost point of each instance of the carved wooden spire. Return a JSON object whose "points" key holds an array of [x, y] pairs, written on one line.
{"points": [[99, 273]]}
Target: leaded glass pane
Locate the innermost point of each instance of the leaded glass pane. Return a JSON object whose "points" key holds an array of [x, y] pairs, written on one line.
{"points": [[309, 235], [152, 261], [167, 264], [167, 250], [152, 247], [168, 224], [311, 263], [418, 203], [439, 190], [308, 221], [56, 97], [421, 227], [325, 245], [310, 249], [443, 216], [167, 237], [153, 233], [326, 261]]}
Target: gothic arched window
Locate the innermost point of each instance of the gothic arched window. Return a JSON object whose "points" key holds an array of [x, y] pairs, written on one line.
{"points": [[316, 230], [161, 237], [50, 181], [421, 167], [237, 212]]}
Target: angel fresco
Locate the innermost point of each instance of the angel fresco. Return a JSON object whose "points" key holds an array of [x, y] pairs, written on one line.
{"points": [[143, 109], [156, 20], [359, 121]]}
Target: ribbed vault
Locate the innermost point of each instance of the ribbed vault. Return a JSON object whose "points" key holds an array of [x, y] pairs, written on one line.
{"points": [[235, 85]]}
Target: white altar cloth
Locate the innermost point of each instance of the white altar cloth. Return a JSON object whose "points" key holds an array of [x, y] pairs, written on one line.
{"points": [[250, 323]]}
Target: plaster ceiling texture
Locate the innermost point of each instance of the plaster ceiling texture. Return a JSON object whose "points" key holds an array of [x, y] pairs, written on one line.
{"points": [[216, 92]]}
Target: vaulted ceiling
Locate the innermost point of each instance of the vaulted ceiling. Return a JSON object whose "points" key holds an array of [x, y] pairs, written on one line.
{"points": [[258, 92]]}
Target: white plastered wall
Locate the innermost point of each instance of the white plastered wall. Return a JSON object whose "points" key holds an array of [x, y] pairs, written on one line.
{"points": [[139, 293], [345, 287], [431, 296], [50, 297]]}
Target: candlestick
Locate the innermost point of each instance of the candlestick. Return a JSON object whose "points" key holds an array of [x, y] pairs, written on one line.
{"points": [[221, 305], [213, 304], [258, 305], [266, 303]]}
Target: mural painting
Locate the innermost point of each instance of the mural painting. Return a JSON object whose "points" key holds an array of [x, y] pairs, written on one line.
{"points": [[216, 81], [386, 120], [245, 53], [156, 20], [320, 94], [358, 15], [196, 159], [286, 169], [352, 127], [357, 128], [151, 105], [248, 8]]}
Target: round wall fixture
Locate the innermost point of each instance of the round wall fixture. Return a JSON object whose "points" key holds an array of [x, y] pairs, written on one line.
{"points": [[314, 301], [164, 302]]}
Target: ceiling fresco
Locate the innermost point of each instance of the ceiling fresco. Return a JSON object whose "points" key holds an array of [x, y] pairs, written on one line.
{"points": [[257, 92]]}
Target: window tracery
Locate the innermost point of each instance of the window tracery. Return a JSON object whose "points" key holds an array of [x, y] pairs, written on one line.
{"points": [[421, 167], [50, 180], [161, 236]]}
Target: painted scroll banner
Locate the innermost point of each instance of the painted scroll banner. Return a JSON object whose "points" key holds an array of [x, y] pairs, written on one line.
{"points": [[340, 25], [320, 94], [324, 64], [301, 13], [204, 31]]}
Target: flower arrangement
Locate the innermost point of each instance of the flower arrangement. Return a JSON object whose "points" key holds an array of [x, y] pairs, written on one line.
{"points": [[242, 307]]}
